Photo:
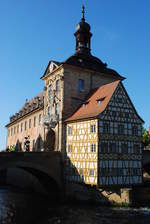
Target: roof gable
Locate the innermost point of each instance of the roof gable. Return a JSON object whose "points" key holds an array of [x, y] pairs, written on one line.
{"points": [[129, 101], [121, 104], [95, 103], [50, 67]]}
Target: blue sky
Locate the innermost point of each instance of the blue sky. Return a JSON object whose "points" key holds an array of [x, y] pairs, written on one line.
{"points": [[34, 31]]}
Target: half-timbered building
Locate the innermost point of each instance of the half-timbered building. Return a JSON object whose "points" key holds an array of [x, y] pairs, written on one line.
{"points": [[104, 139]]}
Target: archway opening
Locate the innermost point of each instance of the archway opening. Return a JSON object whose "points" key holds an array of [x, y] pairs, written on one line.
{"points": [[49, 144], [30, 180]]}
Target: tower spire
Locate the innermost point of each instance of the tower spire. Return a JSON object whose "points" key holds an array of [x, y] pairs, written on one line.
{"points": [[83, 35], [83, 12]]}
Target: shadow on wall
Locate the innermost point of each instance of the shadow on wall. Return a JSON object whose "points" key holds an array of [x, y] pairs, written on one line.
{"points": [[77, 190]]}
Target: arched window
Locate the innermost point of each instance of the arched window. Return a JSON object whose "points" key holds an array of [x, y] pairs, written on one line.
{"points": [[34, 123]]}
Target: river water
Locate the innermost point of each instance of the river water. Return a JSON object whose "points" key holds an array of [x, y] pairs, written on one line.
{"points": [[17, 207]]}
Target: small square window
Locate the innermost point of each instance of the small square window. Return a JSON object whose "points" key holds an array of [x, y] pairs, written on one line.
{"points": [[114, 113], [93, 147], [124, 148], [134, 131], [112, 148], [93, 128], [121, 129], [91, 172], [70, 148], [136, 148], [106, 128], [104, 147], [69, 131], [119, 99]]}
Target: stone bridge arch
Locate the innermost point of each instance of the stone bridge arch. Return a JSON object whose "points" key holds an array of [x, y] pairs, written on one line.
{"points": [[46, 167]]}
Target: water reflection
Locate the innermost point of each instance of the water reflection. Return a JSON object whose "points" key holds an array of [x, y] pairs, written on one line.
{"points": [[17, 207]]}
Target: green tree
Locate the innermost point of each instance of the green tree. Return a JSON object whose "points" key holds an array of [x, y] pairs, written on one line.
{"points": [[12, 148], [145, 137]]}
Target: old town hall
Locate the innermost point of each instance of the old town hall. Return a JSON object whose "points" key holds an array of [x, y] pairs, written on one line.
{"points": [[86, 113]]}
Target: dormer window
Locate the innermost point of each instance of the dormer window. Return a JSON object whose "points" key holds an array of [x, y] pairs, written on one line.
{"points": [[99, 101], [85, 103]]}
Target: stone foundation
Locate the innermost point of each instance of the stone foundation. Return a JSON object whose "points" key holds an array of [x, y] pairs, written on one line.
{"points": [[120, 196], [87, 193]]}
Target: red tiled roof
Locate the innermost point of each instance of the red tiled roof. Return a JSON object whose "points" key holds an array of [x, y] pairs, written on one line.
{"points": [[91, 108]]}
